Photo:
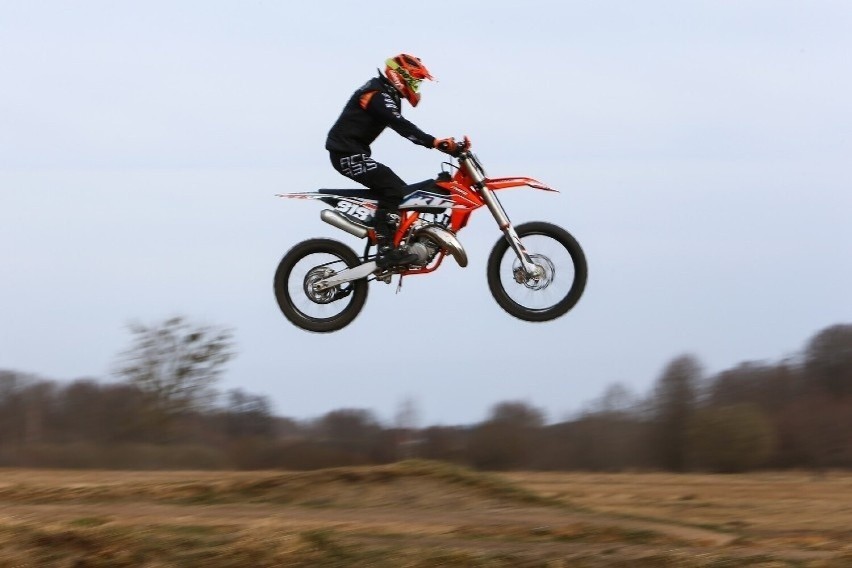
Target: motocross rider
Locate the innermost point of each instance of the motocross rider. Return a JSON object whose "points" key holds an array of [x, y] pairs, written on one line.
{"points": [[375, 106]]}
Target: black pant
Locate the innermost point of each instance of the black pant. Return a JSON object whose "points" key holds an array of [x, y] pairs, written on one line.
{"points": [[389, 187]]}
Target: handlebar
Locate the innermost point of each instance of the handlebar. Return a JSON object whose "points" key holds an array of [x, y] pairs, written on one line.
{"points": [[461, 147], [464, 146], [468, 160]]}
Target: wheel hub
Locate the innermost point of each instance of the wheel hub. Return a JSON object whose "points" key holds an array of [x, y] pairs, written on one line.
{"points": [[543, 276], [313, 292]]}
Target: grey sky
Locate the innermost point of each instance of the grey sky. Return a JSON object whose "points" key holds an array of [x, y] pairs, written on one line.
{"points": [[702, 150]]}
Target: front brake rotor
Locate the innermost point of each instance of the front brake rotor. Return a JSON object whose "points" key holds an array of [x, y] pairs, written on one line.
{"points": [[544, 274]]}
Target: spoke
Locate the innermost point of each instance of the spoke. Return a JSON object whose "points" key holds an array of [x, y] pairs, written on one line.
{"points": [[316, 305], [555, 281]]}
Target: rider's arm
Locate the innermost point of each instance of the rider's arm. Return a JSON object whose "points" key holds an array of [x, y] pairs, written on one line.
{"points": [[383, 107]]}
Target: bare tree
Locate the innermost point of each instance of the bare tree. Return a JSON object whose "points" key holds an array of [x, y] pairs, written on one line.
{"points": [[12, 385], [445, 443], [507, 440], [248, 415], [406, 422], [828, 360], [175, 364], [353, 432], [674, 402], [767, 386], [732, 438], [617, 399]]}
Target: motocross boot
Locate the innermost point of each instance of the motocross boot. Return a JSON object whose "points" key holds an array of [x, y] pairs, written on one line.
{"points": [[387, 256]]}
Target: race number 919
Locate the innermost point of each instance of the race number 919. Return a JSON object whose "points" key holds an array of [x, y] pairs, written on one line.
{"points": [[353, 209]]}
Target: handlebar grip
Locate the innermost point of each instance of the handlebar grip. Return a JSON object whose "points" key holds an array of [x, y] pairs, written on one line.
{"points": [[453, 147]]}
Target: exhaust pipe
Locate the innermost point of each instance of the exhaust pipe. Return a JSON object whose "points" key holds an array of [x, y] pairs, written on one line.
{"points": [[336, 219], [445, 240]]}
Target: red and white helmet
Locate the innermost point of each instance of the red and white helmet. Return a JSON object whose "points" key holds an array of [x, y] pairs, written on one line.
{"points": [[406, 72]]}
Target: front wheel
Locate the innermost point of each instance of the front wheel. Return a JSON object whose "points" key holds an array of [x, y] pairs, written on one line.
{"points": [[557, 286], [321, 311]]}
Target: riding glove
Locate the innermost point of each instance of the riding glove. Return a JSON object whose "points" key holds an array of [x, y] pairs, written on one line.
{"points": [[447, 145]]}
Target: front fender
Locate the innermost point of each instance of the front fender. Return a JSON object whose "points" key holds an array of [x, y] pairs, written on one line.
{"points": [[506, 182]]}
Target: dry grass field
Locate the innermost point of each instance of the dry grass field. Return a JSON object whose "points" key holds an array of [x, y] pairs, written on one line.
{"points": [[422, 514]]}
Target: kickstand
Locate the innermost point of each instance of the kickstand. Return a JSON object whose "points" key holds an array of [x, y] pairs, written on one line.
{"points": [[399, 285]]}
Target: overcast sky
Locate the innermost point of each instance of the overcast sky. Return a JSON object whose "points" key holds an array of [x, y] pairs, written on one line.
{"points": [[702, 150]]}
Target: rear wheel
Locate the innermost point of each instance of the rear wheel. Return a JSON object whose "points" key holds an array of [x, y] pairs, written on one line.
{"points": [[315, 310], [560, 279]]}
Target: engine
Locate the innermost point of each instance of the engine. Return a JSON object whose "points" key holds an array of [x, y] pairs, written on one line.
{"points": [[425, 250], [428, 241]]}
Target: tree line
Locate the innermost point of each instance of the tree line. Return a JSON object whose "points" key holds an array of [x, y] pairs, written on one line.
{"points": [[164, 412]]}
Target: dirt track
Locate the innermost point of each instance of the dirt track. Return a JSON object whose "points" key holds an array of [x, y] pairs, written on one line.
{"points": [[406, 513]]}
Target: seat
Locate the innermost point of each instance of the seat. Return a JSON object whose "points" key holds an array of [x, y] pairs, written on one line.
{"points": [[425, 185], [350, 192]]}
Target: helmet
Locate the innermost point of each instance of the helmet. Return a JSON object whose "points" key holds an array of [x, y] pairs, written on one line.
{"points": [[405, 72]]}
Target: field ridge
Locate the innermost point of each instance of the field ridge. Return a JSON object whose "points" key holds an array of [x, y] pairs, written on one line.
{"points": [[420, 514]]}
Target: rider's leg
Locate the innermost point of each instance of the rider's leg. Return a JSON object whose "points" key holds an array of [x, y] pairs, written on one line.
{"points": [[390, 190], [386, 254]]}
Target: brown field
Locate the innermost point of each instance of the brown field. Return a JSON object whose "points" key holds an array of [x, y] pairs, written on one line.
{"points": [[422, 514]]}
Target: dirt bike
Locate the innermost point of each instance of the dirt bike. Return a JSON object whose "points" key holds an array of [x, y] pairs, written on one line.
{"points": [[536, 271]]}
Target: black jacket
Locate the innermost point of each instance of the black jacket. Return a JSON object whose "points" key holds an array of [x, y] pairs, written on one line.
{"points": [[371, 109]]}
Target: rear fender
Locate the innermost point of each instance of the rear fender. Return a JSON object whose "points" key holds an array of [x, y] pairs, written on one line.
{"points": [[360, 208], [330, 198], [303, 195]]}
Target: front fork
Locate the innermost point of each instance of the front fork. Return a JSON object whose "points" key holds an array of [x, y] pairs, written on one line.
{"points": [[530, 268]]}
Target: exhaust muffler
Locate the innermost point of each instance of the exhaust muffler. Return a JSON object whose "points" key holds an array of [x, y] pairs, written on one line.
{"points": [[337, 219]]}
